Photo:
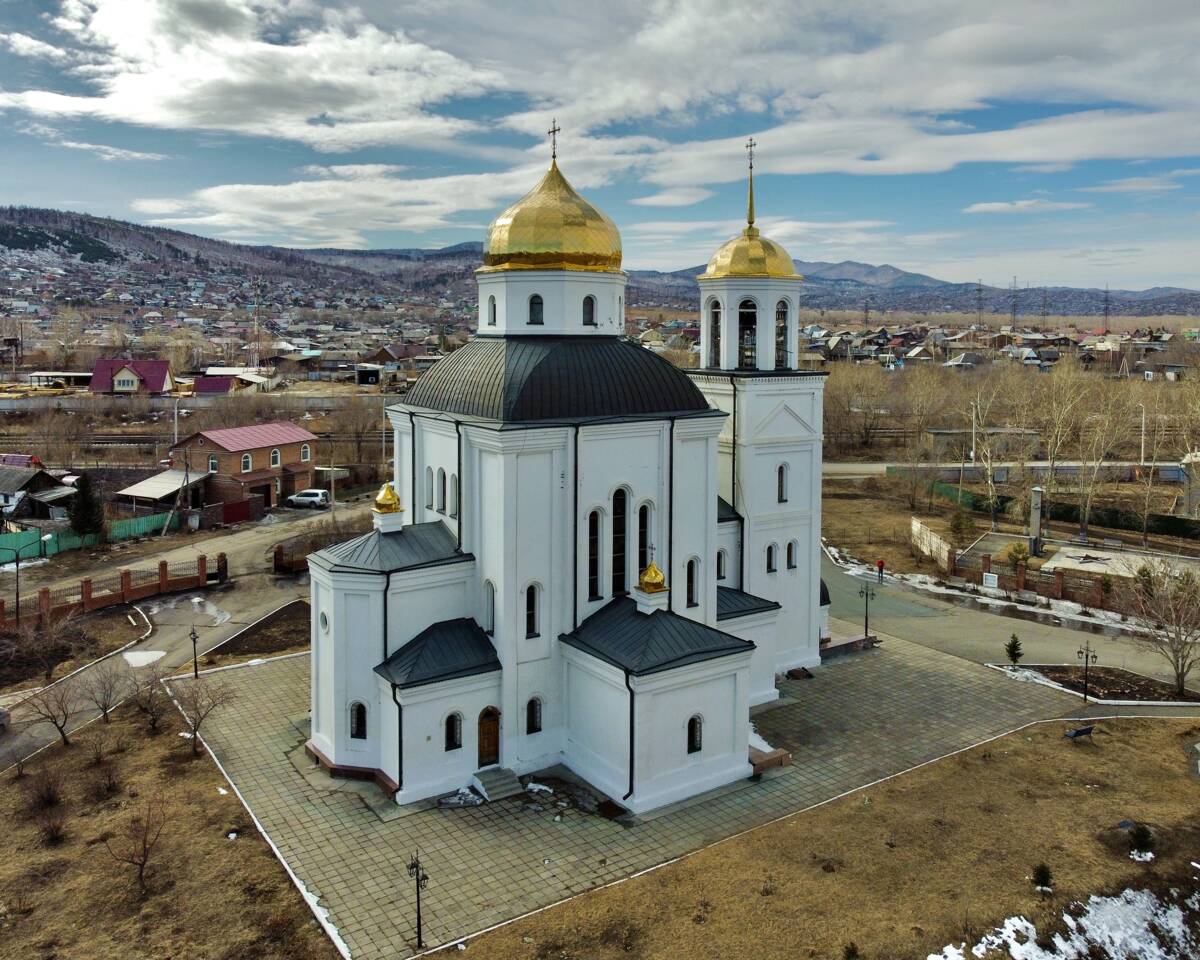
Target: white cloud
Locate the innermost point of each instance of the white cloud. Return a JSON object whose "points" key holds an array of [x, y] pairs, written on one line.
{"points": [[1024, 206], [24, 45], [52, 137], [353, 171], [674, 197], [1134, 185]]}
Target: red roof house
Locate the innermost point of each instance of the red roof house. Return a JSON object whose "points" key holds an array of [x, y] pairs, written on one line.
{"points": [[269, 459], [116, 375]]}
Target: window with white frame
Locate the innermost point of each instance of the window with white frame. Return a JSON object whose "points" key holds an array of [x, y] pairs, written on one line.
{"points": [[247, 463]]}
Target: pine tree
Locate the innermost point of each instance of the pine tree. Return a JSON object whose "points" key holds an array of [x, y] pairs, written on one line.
{"points": [[962, 528], [87, 510], [1013, 650]]}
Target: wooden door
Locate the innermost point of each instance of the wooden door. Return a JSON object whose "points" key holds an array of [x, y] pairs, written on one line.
{"points": [[489, 737]]}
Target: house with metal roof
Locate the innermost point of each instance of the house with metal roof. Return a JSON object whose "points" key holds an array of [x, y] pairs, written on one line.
{"points": [[271, 460]]}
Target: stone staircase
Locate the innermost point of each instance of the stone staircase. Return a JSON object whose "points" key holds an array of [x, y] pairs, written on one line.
{"points": [[496, 783]]}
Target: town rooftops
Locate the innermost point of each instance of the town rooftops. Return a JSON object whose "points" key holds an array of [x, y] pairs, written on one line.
{"points": [[154, 374], [443, 651], [207, 384], [237, 439]]}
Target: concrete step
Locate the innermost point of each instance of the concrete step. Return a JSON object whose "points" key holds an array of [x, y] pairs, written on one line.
{"points": [[496, 783]]}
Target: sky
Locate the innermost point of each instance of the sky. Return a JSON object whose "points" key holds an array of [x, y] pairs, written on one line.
{"points": [[1055, 142]]}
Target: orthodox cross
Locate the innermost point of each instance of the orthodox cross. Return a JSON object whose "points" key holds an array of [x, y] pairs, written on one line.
{"points": [[750, 145], [554, 131]]}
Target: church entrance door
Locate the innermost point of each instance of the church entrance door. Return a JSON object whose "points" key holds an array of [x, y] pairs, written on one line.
{"points": [[489, 737]]}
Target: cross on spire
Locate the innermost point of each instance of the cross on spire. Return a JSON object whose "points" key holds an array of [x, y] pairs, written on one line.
{"points": [[554, 131], [750, 145]]}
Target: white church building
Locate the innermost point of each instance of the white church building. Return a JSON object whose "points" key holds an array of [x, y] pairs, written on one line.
{"points": [[587, 556]]}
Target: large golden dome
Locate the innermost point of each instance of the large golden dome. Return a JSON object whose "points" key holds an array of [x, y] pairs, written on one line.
{"points": [[552, 228], [750, 254]]}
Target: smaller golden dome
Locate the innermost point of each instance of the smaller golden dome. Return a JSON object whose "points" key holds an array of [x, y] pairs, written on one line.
{"points": [[386, 501], [652, 579], [552, 228], [750, 254]]}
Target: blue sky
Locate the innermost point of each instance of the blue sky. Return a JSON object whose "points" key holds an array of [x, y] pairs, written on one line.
{"points": [[1056, 142]]}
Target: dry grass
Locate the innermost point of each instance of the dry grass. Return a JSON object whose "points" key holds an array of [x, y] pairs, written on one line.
{"points": [[102, 631], [208, 896], [288, 633], [936, 856], [870, 519]]}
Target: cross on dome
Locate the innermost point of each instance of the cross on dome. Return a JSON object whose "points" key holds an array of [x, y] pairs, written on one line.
{"points": [[554, 131], [750, 145]]}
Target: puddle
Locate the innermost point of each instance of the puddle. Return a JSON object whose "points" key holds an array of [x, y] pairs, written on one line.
{"points": [[143, 658]]}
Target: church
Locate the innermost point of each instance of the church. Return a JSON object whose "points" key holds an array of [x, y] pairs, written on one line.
{"points": [[586, 556]]}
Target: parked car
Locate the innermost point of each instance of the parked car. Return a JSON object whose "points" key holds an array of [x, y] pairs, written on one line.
{"points": [[4, 720], [313, 499]]}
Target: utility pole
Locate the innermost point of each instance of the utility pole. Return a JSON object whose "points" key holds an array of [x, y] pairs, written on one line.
{"points": [[1045, 306], [1014, 303], [979, 302], [1107, 308], [866, 310]]}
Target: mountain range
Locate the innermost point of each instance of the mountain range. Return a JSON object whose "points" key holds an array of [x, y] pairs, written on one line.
{"points": [[86, 239]]}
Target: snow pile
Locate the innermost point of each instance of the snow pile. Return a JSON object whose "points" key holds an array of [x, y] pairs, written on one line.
{"points": [[534, 787], [1141, 856], [1136, 925]]}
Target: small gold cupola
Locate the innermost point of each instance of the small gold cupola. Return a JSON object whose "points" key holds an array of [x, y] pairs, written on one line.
{"points": [[652, 579], [386, 501]]}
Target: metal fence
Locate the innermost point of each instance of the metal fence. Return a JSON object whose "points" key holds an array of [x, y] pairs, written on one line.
{"points": [[29, 545]]}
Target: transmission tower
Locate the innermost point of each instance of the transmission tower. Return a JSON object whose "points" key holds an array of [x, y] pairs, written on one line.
{"points": [[979, 302], [1107, 308], [1045, 306], [1014, 303]]}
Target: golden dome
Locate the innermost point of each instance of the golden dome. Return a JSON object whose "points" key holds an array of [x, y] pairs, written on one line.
{"points": [[552, 228], [386, 501], [652, 579]]}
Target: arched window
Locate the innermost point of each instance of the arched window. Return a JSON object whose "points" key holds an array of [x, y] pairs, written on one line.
{"points": [[695, 736], [441, 490], [589, 311], [531, 610], [491, 320], [213, 464], [643, 537], [454, 731], [747, 335], [429, 487], [771, 551], [594, 555], [693, 582], [620, 502], [535, 310], [305, 453], [781, 336], [714, 334], [489, 608], [792, 550], [454, 494], [720, 564], [247, 463], [533, 716], [358, 721], [781, 483], [275, 458]]}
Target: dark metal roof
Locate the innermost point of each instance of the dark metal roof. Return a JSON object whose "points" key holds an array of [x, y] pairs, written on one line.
{"points": [[725, 511], [417, 545], [645, 643], [824, 593], [444, 651], [732, 602], [520, 378]]}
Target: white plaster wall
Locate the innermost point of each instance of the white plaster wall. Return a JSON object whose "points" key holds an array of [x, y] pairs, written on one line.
{"points": [[729, 539], [766, 293], [596, 703], [323, 666], [562, 293], [389, 761], [761, 629], [437, 448], [695, 517]]}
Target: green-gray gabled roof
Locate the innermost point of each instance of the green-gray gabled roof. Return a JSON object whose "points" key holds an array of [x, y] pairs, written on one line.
{"points": [[732, 602], [443, 651], [644, 643], [417, 545]]}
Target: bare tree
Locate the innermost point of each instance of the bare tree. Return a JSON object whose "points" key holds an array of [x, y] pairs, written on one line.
{"points": [[1154, 438], [150, 694], [1168, 597], [1102, 430], [137, 843], [360, 419], [54, 704], [198, 699], [105, 685], [42, 642], [1056, 414]]}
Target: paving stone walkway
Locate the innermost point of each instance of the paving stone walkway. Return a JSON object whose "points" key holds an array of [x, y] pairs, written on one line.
{"points": [[860, 718]]}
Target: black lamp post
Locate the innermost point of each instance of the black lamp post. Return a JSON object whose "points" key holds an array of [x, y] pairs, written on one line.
{"points": [[867, 592], [195, 656], [16, 554], [1087, 656], [420, 881]]}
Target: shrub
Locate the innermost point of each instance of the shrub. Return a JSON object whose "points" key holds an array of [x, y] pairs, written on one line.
{"points": [[850, 951], [45, 790], [1042, 877], [52, 827], [1141, 839], [1015, 553], [104, 783]]}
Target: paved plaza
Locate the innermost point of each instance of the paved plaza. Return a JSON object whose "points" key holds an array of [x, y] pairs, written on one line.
{"points": [[860, 718]]}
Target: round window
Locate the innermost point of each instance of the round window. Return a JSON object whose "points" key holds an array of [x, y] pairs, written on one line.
{"points": [[324, 621]]}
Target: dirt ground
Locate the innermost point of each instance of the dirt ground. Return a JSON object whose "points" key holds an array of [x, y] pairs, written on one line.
{"points": [[287, 634], [97, 633], [208, 896], [1112, 683], [870, 519], [937, 856]]}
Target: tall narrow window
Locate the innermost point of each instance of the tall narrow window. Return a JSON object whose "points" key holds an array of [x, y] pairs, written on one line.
{"points": [[714, 334], [771, 549], [275, 458], [489, 608], [533, 716], [429, 487], [535, 310], [454, 731], [594, 555], [453, 495], [693, 583], [643, 537], [213, 464], [720, 564], [441, 490], [782, 352], [358, 721], [619, 502], [589, 311], [781, 480], [247, 463], [531, 611], [695, 734], [747, 335], [791, 555], [491, 321], [305, 453]]}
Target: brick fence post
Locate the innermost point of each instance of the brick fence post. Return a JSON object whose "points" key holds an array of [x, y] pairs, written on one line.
{"points": [[44, 604], [1020, 577], [952, 562], [222, 568], [1097, 593], [164, 574], [202, 570], [985, 563], [1059, 585], [126, 585], [3, 617], [85, 593]]}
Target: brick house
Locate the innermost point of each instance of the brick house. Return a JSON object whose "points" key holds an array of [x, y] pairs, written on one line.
{"points": [[116, 375], [273, 460]]}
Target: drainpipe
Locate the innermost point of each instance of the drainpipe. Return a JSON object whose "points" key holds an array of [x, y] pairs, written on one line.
{"points": [[399, 741], [733, 482], [412, 463], [387, 589], [575, 536], [458, 518], [670, 545], [629, 687]]}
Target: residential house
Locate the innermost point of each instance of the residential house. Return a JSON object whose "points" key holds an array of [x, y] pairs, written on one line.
{"points": [[273, 460], [117, 375]]}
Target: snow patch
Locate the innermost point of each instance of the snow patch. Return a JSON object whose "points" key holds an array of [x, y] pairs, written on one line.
{"points": [[143, 658], [534, 787], [1141, 856]]}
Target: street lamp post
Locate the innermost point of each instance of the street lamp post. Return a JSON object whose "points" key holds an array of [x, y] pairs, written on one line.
{"points": [[867, 592], [16, 553], [194, 637], [1087, 656], [420, 882]]}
